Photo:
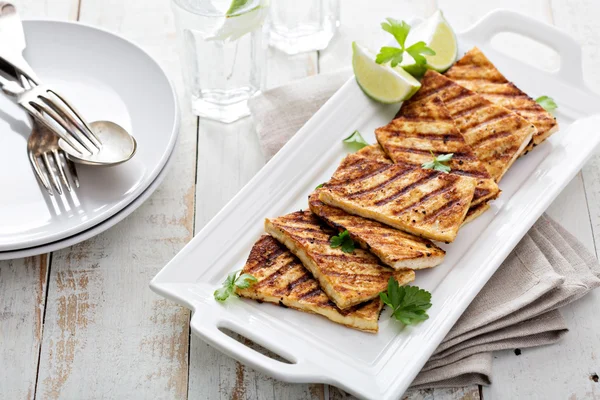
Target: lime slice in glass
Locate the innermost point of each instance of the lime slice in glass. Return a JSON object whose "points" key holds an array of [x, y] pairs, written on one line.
{"points": [[439, 36], [243, 16], [381, 82]]}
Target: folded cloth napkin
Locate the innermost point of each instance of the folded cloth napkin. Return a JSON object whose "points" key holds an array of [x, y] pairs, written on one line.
{"points": [[517, 308]]}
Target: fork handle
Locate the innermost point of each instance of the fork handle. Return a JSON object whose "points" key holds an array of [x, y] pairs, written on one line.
{"points": [[17, 61]]}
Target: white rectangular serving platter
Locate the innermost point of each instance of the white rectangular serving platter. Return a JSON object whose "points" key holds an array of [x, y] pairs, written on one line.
{"points": [[382, 365]]}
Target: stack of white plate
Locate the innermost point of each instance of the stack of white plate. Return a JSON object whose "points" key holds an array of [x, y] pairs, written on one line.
{"points": [[108, 78]]}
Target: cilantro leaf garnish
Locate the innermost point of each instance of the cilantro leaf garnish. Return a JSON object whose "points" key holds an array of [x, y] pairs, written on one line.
{"points": [[343, 240], [409, 303], [232, 281], [394, 55], [547, 102], [417, 51], [356, 140], [391, 54], [398, 29], [320, 186], [438, 163]]}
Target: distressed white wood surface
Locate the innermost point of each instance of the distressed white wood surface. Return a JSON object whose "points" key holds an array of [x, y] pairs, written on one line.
{"points": [[23, 281], [107, 336]]}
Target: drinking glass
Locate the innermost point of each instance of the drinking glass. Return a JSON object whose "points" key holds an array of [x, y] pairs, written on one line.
{"points": [[299, 26], [220, 73]]}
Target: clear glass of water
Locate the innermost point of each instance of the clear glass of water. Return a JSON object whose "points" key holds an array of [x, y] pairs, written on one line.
{"points": [[306, 25], [221, 68]]}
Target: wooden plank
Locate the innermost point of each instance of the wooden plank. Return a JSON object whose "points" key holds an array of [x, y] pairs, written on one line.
{"points": [[106, 334], [234, 148], [23, 281], [22, 301]]}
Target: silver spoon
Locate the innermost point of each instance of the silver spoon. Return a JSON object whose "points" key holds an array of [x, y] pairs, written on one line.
{"points": [[118, 146]]}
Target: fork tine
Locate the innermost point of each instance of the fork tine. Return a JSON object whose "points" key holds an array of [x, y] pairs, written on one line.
{"points": [[61, 171], [72, 170], [51, 173], [41, 106], [81, 123], [38, 173]]}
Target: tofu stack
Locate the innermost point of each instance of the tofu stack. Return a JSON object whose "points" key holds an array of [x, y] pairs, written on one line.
{"points": [[392, 209]]}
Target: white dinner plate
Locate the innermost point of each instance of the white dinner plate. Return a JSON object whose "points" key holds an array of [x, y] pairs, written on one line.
{"points": [[380, 366], [108, 78], [93, 231]]}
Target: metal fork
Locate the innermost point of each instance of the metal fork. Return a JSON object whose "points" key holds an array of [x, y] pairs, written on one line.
{"points": [[51, 109], [47, 159], [41, 101]]}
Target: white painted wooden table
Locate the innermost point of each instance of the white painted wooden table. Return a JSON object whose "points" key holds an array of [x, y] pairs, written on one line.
{"points": [[81, 323]]}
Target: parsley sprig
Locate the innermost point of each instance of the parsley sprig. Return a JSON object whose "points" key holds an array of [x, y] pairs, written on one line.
{"points": [[394, 55], [234, 280], [409, 303], [344, 241], [356, 140], [547, 102], [438, 163]]}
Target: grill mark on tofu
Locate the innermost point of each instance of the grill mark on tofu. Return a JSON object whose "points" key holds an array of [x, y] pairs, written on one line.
{"points": [[403, 141], [477, 73], [492, 137], [348, 279], [406, 189], [400, 212], [477, 119], [395, 248], [438, 192], [283, 280], [397, 175]]}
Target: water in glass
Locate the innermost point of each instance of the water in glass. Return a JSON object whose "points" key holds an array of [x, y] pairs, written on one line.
{"points": [[220, 75]]}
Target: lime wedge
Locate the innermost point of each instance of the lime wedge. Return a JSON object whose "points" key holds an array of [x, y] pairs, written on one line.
{"points": [[439, 36], [243, 16], [381, 82]]}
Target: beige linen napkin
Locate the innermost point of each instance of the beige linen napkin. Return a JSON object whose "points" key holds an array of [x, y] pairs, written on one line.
{"points": [[517, 308]]}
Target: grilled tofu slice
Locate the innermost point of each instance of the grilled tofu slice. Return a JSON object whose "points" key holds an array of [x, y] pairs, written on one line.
{"points": [[424, 127], [474, 212], [423, 202], [348, 279], [477, 73], [496, 135], [281, 279], [395, 248]]}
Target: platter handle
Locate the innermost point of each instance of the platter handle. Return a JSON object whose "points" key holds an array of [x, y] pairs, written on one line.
{"points": [[569, 51]]}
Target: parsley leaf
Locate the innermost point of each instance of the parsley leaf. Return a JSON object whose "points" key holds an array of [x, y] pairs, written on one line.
{"points": [[356, 140], [320, 186], [344, 241], [232, 281], [409, 303], [547, 102], [438, 162], [391, 54], [398, 29], [417, 52]]}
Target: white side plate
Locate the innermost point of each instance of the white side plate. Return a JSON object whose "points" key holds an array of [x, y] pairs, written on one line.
{"points": [[383, 365], [96, 229], [108, 78]]}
